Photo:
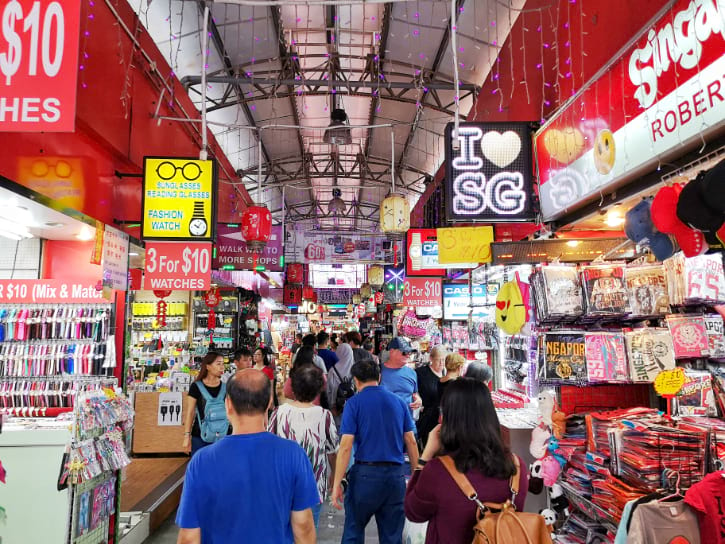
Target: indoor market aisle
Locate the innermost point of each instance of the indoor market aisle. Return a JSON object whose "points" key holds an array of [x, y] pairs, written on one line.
{"points": [[330, 531]]}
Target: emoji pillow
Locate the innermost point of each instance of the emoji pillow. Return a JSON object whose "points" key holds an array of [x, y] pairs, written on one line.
{"points": [[510, 308]]}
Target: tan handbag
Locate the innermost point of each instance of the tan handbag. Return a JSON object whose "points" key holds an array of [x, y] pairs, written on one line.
{"points": [[498, 523]]}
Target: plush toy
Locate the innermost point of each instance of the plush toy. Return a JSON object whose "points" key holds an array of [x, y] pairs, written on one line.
{"points": [[550, 470], [549, 517], [558, 501], [558, 423], [547, 400], [553, 448], [539, 439], [536, 481]]}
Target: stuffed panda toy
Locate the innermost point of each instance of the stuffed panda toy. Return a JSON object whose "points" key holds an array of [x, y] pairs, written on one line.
{"points": [[536, 480], [558, 501]]}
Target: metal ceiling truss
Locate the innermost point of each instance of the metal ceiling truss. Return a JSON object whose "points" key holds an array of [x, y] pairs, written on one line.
{"points": [[314, 211], [290, 171], [422, 90]]}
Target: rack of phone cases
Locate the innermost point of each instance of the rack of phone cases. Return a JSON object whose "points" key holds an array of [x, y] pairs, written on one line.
{"points": [[93, 462], [55, 339], [45, 396]]}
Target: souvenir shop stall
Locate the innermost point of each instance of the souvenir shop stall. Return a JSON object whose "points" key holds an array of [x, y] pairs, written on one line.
{"points": [[63, 420]]}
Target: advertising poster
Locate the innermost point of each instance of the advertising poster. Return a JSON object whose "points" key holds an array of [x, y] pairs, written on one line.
{"points": [[179, 199], [170, 408], [231, 249]]}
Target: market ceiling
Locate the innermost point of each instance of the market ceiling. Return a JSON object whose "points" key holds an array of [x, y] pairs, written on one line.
{"points": [[272, 64], [291, 64]]}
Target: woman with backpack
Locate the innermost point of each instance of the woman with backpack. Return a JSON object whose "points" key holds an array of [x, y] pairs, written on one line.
{"points": [[470, 436], [339, 374], [205, 419]]}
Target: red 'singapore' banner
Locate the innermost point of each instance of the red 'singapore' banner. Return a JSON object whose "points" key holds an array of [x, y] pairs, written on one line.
{"points": [[38, 65], [666, 91]]}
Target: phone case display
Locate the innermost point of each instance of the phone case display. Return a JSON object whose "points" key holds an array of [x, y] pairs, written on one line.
{"points": [[650, 351], [606, 356], [689, 336], [45, 396], [557, 293], [480, 336], [695, 280], [604, 291], [647, 290], [145, 326], [225, 328], [563, 356], [47, 340]]}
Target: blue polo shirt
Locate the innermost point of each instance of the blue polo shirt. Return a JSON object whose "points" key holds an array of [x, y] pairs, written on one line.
{"points": [[402, 382], [251, 501], [378, 419]]}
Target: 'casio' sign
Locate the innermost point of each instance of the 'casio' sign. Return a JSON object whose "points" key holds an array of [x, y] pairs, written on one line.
{"points": [[455, 290]]}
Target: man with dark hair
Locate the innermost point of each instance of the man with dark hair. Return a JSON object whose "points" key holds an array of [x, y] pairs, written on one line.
{"points": [[268, 495], [328, 356], [297, 344], [380, 426], [355, 340], [311, 341], [242, 359]]}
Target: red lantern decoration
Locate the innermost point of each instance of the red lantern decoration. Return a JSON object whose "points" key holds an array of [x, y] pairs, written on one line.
{"points": [[379, 297], [295, 273], [291, 295], [161, 305], [314, 297], [308, 292], [256, 227], [212, 300]]}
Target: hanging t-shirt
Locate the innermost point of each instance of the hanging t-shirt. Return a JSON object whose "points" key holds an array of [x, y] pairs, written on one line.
{"points": [[707, 497], [664, 523], [271, 477]]}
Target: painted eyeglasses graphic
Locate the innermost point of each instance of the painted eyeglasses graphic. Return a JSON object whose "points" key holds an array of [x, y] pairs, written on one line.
{"points": [[167, 170]]}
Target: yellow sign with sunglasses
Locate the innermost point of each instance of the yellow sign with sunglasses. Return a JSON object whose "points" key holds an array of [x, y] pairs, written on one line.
{"points": [[179, 199]]}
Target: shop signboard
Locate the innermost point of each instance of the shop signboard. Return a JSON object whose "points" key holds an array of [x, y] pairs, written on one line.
{"points": [[115, 259], [422, 292], [178, 199], [458, 301], [39, 65], [421, 253], [335, 296], [315, 247], [48, 292], [231, 250], [665, 94], [467, 246], [179, 266], [489, 172]]}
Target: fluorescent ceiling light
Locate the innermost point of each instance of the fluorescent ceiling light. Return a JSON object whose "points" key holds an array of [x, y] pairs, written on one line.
{"points": [[614, 220], [573, 243], [86, 234]]}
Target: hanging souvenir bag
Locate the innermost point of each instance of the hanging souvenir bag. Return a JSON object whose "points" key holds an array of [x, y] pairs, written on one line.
{"points": [[500, 523]]}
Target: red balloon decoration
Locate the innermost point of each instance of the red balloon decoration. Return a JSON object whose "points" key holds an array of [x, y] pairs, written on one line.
{"points": [[256, 226]]}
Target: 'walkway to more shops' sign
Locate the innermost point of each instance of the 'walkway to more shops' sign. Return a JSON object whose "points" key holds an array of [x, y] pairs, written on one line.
{"points": [[38, 65], [179, 199]]}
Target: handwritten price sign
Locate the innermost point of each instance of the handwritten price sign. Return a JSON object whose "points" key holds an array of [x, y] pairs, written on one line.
{"points": [[465, 245], [669, 382], [38, 65]]}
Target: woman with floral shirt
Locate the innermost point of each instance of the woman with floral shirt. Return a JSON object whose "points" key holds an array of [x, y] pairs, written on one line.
{"points": [[312, 427]]}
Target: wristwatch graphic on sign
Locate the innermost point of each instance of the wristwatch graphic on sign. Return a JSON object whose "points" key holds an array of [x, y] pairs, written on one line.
{"points": [[198, 225], [416, 251]]}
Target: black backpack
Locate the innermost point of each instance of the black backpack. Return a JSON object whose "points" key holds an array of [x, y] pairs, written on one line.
{"points": [[345, 390]]}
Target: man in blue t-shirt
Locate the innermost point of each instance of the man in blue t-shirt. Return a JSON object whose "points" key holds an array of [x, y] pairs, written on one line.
{"points": [[323, 350], [378, 423], [397, 377], [268, 494]]}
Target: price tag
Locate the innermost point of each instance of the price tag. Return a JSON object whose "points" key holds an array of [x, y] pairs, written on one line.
{"points": [[465, 245], [669, 382], [422, 292], [38, 65], [182, 266]]}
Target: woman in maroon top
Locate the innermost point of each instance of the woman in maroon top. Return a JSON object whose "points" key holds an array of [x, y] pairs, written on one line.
{"points": [[471, 435]]}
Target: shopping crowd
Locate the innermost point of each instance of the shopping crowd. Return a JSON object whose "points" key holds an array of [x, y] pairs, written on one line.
{"points": [[364, 432]]}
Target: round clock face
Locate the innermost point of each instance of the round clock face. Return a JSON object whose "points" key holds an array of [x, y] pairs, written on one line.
{"points": [[197, 227], [415, 251]]}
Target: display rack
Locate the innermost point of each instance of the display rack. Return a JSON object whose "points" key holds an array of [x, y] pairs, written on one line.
{"points": [[226, 327]]}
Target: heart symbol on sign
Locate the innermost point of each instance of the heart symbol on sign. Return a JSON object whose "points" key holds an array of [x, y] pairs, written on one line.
{"points": [[501, 149], [501, 304]]}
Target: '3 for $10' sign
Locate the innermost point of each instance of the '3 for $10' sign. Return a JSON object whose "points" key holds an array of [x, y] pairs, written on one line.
{"points": [[422, 292], [488, 172]]}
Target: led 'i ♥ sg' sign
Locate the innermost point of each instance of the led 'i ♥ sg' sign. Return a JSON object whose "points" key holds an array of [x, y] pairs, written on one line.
{"points": [[489, 172]]}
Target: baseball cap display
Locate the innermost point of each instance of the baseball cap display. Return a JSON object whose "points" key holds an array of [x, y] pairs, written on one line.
{"points": [[664, 218], [639, 228], [700, 205], [400, 343]]}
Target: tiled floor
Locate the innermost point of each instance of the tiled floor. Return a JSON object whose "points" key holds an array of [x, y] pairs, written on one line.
{"points": [[330, 530]]}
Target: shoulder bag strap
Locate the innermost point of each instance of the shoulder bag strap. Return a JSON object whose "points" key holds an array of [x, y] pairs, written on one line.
{"points": [[464, 484], [515, 479], [207, 397], [339, 377]]}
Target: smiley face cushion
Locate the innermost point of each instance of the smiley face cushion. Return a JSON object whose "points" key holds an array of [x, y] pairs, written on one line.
{"points": [[510, 308], [604, 151]]}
